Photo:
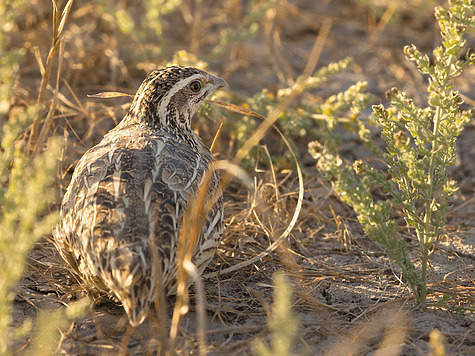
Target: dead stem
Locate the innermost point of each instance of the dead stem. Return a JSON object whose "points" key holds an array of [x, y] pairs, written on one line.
{"points": [[215, 139], [194, 218], [49, 118], [200, 305], [160, 300], [58, 26], [284, 234]]}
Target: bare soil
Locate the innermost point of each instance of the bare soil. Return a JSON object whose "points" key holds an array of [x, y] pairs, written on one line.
{"points": [[348, 295]]}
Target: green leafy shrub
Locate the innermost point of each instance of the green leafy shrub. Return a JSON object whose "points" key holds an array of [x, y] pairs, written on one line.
{"points": [[303, 119], [26, 191], [420, 147], [9, 58]]}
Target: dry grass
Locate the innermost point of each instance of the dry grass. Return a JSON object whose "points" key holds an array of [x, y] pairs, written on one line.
{"points": [[347, 295]]}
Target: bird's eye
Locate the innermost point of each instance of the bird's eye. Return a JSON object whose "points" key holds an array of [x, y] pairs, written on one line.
{"points": [[195, 86]]}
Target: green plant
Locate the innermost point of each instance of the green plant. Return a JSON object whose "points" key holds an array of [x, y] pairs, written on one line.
{"points": [[420, 146], [9, 58], [283, 324], [303, 119], [144, 30], [25, 194], [248, 26]]}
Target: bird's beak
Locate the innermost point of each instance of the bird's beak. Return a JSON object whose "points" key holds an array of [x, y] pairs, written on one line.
{"points": [[218, 82]]}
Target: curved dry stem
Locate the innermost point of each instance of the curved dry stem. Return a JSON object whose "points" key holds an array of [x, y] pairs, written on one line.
{"points": [[39, 142], [284, 235], [200, 305], [195, 216]]}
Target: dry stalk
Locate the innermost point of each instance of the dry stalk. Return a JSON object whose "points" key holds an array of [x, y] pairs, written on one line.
{"points": [[193, 221], [58, 26], [200, 305], [382, 24], [160, 300], [298, 207], [259, 134], [125, 340], [109, 94], [215, 139], [274, 179], [49, 118]]}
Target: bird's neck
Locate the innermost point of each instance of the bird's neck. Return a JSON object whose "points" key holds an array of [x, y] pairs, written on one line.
{"points": [[153, 126], [160, 113]]}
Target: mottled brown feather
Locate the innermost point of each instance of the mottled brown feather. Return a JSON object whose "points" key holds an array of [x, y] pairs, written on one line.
{"points": [[134, 186]]}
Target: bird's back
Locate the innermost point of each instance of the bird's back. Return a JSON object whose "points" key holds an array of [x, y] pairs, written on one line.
{"points": [[128, 194]]}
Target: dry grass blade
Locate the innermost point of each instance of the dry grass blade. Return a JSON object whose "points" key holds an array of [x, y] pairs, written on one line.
{"points": [[235, 108], [64, 16], [317, 48], [234, 170], [55, 22], [37, 53], [272, 170], [108, 95], [194, 218], [284, 234], [160, 299], [215, 139], [58, 25], [200, 305], [49, 118]]}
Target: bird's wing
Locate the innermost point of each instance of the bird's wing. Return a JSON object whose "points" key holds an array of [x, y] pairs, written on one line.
{"points": [[125, 195]]}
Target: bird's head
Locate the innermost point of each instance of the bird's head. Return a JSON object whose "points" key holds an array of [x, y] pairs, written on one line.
{"points": [[169, 97]]}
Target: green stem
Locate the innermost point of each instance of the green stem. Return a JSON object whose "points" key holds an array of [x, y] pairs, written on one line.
{"points": [[426, 237], [422, 294]]}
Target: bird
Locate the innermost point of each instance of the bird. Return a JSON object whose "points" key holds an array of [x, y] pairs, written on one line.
{"points": [[128, 194]]}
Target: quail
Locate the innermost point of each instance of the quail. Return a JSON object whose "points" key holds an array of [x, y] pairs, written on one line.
{"points": [[129, 193]]}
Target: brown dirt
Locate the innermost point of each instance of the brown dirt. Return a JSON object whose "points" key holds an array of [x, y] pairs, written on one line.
{"points": [[347, 294]]}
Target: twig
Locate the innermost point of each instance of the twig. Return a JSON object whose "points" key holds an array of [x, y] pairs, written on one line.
{"points": [[49, 118], [194, 218], [216, 137], [58, 26], [159, 293], [200, 305], [284, 235]]}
